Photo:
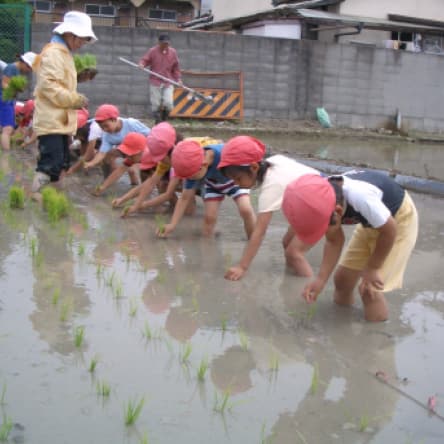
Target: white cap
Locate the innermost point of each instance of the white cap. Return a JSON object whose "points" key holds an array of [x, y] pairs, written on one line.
{"points": [[28, 58], [77, 23]]}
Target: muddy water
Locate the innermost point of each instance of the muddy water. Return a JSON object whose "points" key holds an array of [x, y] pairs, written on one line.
{"points": [[154, 310]]}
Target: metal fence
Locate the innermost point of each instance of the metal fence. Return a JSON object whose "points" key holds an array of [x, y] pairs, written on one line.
{"points": [[15, 30]]}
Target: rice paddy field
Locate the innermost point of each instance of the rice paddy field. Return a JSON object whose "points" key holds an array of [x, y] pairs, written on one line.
{"points": [[110, 335]]}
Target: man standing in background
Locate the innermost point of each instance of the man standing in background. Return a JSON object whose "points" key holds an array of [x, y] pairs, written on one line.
{"points": [[162, 59]]}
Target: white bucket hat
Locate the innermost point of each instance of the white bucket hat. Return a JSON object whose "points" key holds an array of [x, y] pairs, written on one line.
{"points": [[77, 23], [28, 58]]}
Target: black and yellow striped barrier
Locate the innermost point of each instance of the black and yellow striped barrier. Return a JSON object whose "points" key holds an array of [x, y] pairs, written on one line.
{"points": [[226, 104]]}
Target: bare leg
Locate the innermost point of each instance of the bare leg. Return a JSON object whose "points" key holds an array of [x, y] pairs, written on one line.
{"points": [[6, 137], [345, 282], [210, 218], [295, 251], [375, 304]]}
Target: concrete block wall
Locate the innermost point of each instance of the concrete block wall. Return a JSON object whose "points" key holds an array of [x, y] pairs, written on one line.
{"points": [[288, 79]]}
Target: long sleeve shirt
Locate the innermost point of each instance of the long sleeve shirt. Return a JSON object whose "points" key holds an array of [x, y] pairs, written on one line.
{"points": [[164, 62]]}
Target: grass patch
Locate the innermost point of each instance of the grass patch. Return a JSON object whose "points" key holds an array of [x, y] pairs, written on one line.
{"points": [[16, 197]]}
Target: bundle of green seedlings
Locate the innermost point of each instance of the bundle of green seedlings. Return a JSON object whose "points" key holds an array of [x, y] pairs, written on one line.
{"points": [[16, 85], [86, 66], [55, 203], [16, 197]]}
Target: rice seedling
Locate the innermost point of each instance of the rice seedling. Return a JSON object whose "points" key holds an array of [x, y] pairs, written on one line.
{"points": [[109, 281], [301, 437], [16, 197], [274, 363], [186, 352], [244, 340], [81, 249], [132, 411], [202, 369], [364, 422], [93, 364], [118, 289], [5, 428], [195, 303], [2, 396], [221, 404], [55, 203], [311, 312], [79, 334], [147, 332], [132, 307], [180, 289], [99, 270], [70, 239], [160, 277], [160, 222], [16, 85], [144, 439], [224, 324], [264, 438], [55, 296], [65, 310], [103, 389], [38, 260], [314, 380], [33, 245]]}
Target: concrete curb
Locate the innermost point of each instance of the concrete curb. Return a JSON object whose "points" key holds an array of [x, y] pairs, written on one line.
{"points": [[413, 183]]}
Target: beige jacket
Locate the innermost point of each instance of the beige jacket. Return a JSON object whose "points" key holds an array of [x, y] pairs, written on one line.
{"points": [[56, 97]]}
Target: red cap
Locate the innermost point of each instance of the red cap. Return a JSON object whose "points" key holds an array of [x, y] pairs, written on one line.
{"points": [[241, 150], [105, 112], [161, 139], [82, 117], [28, 108], [19, 108], [308, 204], [132, 143], [187, 158]]}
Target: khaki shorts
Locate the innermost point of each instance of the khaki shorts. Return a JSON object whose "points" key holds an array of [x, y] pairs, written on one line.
{"points": [[161, 97], [363, 242]]}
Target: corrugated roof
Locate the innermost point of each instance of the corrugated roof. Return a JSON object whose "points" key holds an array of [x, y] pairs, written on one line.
{"points": [[328, 18]]}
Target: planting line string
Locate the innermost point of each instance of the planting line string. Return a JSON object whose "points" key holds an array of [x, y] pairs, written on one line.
{"points": [[382, 377]]}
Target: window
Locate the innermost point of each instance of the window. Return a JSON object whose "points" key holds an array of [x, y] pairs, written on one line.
{"points": [[402, 36], [100, 10], [41, 5], [162, 14]]}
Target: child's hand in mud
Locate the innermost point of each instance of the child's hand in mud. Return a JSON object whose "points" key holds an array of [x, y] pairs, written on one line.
{"points": [[128, 210], [312, 290], [235, 273], [116, 202], [165, 230]]}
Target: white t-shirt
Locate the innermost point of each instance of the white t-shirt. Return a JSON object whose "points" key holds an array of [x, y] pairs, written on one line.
{"points": [[366, 199], [95, 132], [282, 171]]}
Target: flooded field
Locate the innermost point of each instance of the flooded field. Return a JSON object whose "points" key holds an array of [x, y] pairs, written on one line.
{"points": [[97, 316]]}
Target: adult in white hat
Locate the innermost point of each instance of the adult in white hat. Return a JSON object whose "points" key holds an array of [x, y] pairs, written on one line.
{"points": [[22, 66], [56, 96]]}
